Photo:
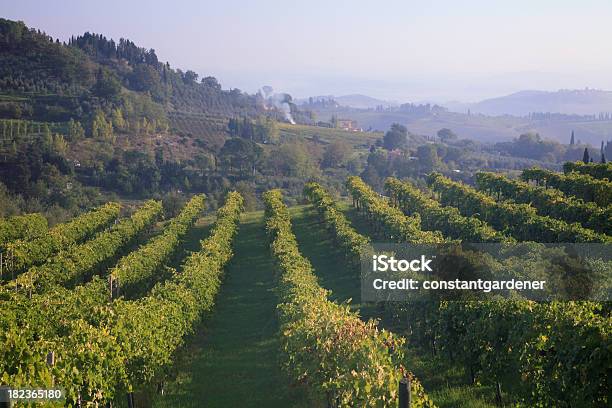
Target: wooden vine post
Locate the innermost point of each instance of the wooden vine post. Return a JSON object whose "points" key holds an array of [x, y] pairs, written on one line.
{"points": [[404, 393], [51, 363], [113, 287]]}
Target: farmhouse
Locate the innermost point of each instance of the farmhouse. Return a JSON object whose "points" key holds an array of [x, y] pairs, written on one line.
{"points": [[348, 124]]}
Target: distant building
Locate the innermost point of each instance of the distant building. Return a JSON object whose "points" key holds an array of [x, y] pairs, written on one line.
{"points": [[348, 124]]}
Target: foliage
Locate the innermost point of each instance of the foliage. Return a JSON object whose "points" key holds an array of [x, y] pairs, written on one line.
{"points": [[76, 261], [386, 220], [169, 312], [101, 128], [518, 220], [396, 137], [101, 349], [546, 354], [264, 130], [548, 201], [139, 266], [33, 61], [240, 154], [573, 184], [335, 154], [26, 226], [292, 159], [435, 217], [596, 170], [26, 253], [446, 134], [543, 352], [107, 85], [428, 158], [350, 240], [532, 146]]}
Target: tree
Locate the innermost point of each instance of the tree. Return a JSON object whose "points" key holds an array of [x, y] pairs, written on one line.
{"points": [[572, 141], [428, 157], [335, 154], [266, 130], [204, 161], [396, 137], [144, 175], [173, 202], [107, 86], [144, 78], [379, 161], [190, 77], [47, 138], [101, 128], [240, 154], [211, 82], [59, 144], [585, 156], [248, 193], [608, 149], [119, 122], [446, 134], [532, 146], [75, 130], [603, 157], [292, 160], [234, 126], [371, 176]]}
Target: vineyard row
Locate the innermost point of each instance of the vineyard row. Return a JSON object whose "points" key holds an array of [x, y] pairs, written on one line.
{"points": [[325, 344]]}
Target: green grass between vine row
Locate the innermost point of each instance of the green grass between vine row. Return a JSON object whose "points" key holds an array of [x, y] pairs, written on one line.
{"points": [[233, 358]]}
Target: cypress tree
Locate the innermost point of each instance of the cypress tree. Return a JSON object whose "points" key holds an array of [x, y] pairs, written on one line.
{"points": [[603, 157], [572, 139], [585, 156]]}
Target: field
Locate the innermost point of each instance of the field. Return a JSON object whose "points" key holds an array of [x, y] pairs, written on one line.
{"points": [[357, 140], [263, 308]]}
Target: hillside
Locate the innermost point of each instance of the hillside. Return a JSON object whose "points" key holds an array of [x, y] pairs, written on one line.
{"points": [[92, 117], [362, 101], [357, 101], [568, 102], [43, 79]]}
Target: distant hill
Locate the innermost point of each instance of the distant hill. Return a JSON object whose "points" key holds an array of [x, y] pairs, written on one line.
{"points": [[356, 101], [89, 76], [579, 102], [362, 101]]}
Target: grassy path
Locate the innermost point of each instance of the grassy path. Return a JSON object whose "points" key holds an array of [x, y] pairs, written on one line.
{"points": [[232, 360], [328, 260]]}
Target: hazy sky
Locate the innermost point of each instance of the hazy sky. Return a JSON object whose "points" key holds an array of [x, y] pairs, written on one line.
{"points": [[403, 50]]}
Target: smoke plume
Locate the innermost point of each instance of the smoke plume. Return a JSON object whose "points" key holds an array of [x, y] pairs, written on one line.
{"points": [[279, 101]]}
